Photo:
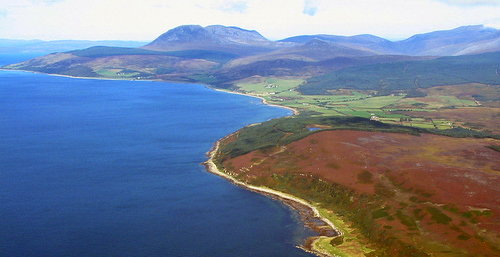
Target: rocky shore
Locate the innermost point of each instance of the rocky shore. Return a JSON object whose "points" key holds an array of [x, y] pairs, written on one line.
{"points": [[308, 213]]}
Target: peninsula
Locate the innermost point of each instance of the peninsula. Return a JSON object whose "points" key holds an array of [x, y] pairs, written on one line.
{"points": [[394, 146]]}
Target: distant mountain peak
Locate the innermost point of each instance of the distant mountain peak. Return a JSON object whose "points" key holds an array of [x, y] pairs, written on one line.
{"points": [[448, 42], [466, 32], [318, 43], [212, 37], [476, 28], [232, 33], [185, 33]]}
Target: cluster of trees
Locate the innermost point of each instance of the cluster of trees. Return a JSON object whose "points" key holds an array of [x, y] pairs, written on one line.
{"points": [[408, 76]]}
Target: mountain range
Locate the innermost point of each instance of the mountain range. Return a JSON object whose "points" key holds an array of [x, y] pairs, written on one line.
{"points": [[459, 41], [220, 55]]}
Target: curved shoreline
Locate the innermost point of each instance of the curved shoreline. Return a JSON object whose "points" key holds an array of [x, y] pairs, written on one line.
{"points": [[264, 101], [307, 211], [309, 214]]}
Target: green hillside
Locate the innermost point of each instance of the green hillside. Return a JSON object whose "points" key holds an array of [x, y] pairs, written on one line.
{"points": [[104, 51], [391, 77]]}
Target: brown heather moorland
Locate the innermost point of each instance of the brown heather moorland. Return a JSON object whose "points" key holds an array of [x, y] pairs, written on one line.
{"points": [[404, 195]]}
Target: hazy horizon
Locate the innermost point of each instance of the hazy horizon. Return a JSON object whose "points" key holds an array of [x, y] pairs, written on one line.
{"points": [[150, 40], [145, 20]]}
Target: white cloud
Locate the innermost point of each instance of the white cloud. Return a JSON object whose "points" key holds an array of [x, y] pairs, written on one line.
{"points": [[311, 7], [471, 2], [47, 2], [234, 6]]}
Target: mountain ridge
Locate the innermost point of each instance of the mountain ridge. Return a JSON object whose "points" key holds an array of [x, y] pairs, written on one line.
{"points": [[233, 39], [219, 54], [447, 42], [461, 40]]}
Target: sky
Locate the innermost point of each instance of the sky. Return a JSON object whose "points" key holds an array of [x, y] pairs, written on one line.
{"points": [[144, 20]]}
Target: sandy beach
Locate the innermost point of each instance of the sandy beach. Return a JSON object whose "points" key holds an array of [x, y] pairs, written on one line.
{"points": [[295, 112], [309, 214]]}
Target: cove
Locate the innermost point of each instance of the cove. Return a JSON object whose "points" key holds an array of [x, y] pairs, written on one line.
{"points": [[113, 168]]}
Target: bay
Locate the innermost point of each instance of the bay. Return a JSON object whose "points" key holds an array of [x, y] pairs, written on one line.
{"points": [[113, 168]]}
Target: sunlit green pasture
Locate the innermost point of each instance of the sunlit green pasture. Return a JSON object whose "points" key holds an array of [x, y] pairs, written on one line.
{"points": [[116, 73], [355, 103], [375, 102], [270, 86], [453, 101]]}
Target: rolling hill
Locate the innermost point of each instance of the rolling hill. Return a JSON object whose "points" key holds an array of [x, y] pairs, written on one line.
{"points": [[463, 40], [219, 55], [409, 75]]}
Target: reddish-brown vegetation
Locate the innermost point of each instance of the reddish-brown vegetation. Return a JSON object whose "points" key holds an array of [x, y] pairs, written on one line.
{"points": [[436, 193], [483, 118]]}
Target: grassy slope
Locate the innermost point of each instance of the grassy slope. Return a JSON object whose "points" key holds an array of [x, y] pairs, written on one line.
{"points": [[104, 51], [129, 63]]}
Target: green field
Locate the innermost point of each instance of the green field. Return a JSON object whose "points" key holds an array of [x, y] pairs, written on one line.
{"points": [[118, 73], [393, 108]]}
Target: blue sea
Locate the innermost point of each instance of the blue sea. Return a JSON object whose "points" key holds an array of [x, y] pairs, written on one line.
{"points": [[113, 168]]}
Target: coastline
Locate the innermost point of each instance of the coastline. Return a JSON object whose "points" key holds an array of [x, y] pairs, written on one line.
{"points": [[316, 244], [295, 112], [78, 77], [309, 214], [264, 101]]}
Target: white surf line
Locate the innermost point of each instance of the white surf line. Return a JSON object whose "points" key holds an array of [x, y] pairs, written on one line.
{"points": [[212, 168]]}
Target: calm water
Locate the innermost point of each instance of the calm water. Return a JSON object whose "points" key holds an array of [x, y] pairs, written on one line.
{"points": [[112, 168]]}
